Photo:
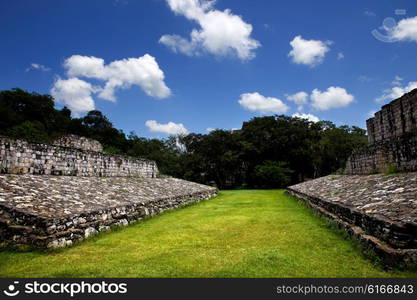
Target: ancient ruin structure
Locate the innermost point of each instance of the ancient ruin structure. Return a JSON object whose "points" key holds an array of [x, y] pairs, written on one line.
{"points": [[21, 157], [40, 209], [78, 142], [392, 136], [376, 208], [394, 119]]}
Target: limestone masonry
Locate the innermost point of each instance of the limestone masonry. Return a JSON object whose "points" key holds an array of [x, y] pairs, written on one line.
{"points": [[78, 142], [21, 157], [104, 191], [392, 136], [379, 210], [56, 211], [394, 119]]}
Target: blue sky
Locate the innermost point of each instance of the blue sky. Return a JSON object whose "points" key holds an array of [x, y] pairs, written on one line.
{"points": [[246, 58]]}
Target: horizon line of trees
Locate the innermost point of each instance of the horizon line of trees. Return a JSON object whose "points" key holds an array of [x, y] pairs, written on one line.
{"points": [[268, 152]]}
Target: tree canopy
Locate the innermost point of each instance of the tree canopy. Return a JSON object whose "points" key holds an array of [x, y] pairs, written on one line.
{"points": [[268, 152]]}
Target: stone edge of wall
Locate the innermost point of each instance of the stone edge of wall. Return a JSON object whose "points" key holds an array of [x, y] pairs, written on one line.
{"points": [[399, 151], [390, 256], [3, 137], [34, 145], [24, 229]]}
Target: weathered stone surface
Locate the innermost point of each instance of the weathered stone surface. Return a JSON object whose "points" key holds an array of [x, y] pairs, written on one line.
{"points": [[21, 157], [379, 210], [78, 142], [392, 136], [394, 119], [55, 211], [399, 152]]}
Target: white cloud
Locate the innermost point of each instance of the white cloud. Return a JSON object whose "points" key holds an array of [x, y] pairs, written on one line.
{"points": [[371, 113], [299, 98], [178, 44], [397, 81], [333, 97], [142, 71], [221, 33], [34, 66], [259, 103], [405, 30], [340, 56], [309, 117], [364, 78], [169, 128], [369, 13], [74, 93], [210, 129], [308, 52], [397, 91]]}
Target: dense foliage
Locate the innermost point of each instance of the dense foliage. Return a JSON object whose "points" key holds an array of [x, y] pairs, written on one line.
{"points": [[270, 151]]}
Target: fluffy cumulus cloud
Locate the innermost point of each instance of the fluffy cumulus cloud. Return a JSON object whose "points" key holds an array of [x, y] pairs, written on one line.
{"points": [[169, 128], [405, 30], [74, 93], [309, 117], [119, 74], [258, 103], [299, 98], [397, 91], [308, 52], [333, 97], [142, 71], [220, 32]]}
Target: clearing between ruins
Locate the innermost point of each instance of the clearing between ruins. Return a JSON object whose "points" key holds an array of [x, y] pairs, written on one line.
{"points": [[242, 233]]}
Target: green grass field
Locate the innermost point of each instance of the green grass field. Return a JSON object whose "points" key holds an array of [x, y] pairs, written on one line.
{"points": [[245, 233]]}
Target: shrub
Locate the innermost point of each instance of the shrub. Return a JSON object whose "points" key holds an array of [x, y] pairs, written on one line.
{"points": [[273, 174], [391, 169]]}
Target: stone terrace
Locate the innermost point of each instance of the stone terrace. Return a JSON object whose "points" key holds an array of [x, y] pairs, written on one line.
{"points": [[379, 210], [55, 211]]}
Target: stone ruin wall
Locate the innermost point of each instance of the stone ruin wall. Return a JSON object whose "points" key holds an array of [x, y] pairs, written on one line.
{"points": [[78, 142], [56, 211], [394, 119], [399, 152], [18, 228], [392, 139], [377, 210], [22, 157]]}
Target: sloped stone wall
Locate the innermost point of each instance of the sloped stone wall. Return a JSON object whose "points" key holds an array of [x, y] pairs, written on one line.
{"points": [[378, 210], [21, 157], [61, 210]]}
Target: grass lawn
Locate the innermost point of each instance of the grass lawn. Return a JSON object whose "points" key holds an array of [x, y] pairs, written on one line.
{"points": [[245, 233]]}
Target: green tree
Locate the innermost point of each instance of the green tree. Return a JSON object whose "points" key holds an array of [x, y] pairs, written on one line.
{"points": [[273, 174], [33, 131]]}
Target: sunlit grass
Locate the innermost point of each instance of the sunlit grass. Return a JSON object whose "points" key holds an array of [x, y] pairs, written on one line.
{"points": [[245, 233]]}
